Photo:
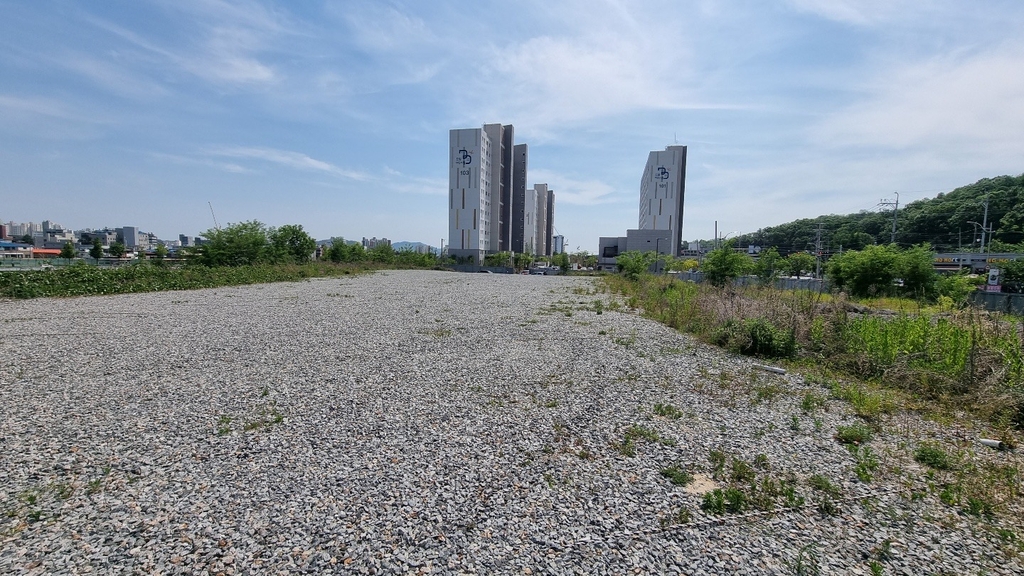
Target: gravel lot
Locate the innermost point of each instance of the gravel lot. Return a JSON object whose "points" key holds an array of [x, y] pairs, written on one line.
{"points": [[426, 422]]}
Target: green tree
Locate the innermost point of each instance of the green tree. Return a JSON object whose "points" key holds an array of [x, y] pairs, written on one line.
{"points": [[67, 251], [798, 263], [917, 271], [291, 243], [160, 253], [868, 272], [241, 244], [635, 263], [769, 264], [382, 253], [723, 265], [117, 250], [27, 239], [96, 252], [562, 261], [498, 259], [523, 260]]}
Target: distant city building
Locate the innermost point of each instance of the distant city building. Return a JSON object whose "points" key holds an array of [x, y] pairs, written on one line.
{"points": [[662, 189], [372, 243], [3, 231], [130, 236], [559, 245], [545, 218], [186, 241]]}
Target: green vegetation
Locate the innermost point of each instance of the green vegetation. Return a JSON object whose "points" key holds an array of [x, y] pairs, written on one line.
{"points": [[677, 475], [933, 456], [82, 279], [668, 411], [635, 263], [854, 434], [635, 432], [724, 264], [940, 358]]}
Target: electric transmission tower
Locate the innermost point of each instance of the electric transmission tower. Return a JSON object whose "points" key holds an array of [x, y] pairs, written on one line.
{"points": [[895, 205]]}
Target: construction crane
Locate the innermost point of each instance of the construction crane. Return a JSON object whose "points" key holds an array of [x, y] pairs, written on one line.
{"points": [[215, 224]]}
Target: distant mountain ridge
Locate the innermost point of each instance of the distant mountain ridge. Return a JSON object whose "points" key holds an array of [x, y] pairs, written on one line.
{"points": [[944, 222]]}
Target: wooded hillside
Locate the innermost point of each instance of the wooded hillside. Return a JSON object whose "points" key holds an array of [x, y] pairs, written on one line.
{"points": [[942, 221]]}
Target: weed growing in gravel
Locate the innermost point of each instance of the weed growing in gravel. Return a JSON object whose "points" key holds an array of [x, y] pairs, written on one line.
{"points": [[629, 341], [933, 456], [867, 462], [681, 516], [635, 432], [551, 404], [667, 411], [824, 485], [806, 563], [854, 434], [811, 402], [224, 425], [765, 392], [866, 402], [677, 475], [94, 486], [794, 423], [741, 471], [717, 460]]}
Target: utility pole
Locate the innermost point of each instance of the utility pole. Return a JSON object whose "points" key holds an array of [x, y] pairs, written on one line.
{"points": [[817, 252], [984, 225], [895, 204]]}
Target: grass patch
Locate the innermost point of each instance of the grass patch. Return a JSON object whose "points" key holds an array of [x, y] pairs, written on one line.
{"points": [[933, 456], [677, 475], [668, 411], [854, 434]]}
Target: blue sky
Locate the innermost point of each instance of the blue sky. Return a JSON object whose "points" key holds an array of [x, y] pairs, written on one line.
{"points": [[335, 115]]}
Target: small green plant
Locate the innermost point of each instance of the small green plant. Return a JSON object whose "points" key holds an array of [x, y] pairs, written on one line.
{"points": [[714, 502], [717, 460], [867, 462], [94, 486], [824, 485], [793, 500], [766, 392], [224, 425], [635, 432], [806, 563], [933, 456], [761, 461], [854, 434], [668, 411], [980, 506], [811, 402], [551, 404], [677, 475], [794, 423], [735, 500], [741, 471], [876, 568]]}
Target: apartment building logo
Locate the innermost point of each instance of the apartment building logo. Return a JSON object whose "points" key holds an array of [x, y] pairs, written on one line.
{"points": [[464, 157], [662, 173]]}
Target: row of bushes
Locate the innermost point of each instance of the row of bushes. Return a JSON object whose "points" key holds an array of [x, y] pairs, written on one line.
{"points": [[963, 354]]}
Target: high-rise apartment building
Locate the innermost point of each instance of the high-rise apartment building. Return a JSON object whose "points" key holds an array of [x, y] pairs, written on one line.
{"points": [[545, 218], [662, 189], [501, 164], [469, 193], [520, 158]]}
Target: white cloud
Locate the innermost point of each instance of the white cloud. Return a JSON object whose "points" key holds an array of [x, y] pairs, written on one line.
{"points": [[969, 102], [569, 190], [295, 160]]}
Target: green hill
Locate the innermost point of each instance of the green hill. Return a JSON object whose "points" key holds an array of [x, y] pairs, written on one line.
{"points": [[942, 221]]}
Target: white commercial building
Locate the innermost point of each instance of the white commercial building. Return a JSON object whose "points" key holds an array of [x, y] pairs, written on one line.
{"points": [[469, 194], [662, 190]]}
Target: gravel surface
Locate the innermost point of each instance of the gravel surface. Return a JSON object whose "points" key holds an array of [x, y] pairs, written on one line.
{"points": [[429, 422]]}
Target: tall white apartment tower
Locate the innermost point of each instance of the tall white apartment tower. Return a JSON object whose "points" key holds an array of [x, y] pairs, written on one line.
{"points": [[469, 194], [661, 194]]}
